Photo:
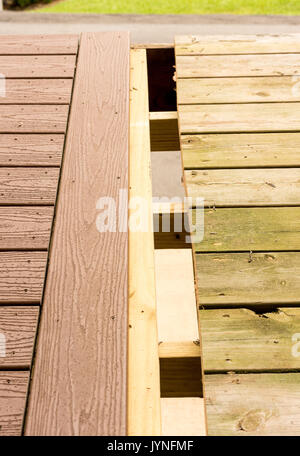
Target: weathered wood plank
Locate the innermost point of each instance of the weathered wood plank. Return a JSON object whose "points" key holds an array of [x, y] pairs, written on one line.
{"points": [[253, 404], [144, 416], [31, 186], [39, 91], [237, 65], [241, 340], [238, 90], [85, 299], [18, 326], [240, 150], [236, 44], [33, 119], [24, 228], [31, 150], [38, 66], [239, 278], [22, 277], [38, 44], [239, 117], [13, 390], [245, 229], [234, 187]]}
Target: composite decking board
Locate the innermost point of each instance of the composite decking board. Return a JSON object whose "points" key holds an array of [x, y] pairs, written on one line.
{"points": [[236, 44], [22, 277], [28, 186], [13, 391], [237, 65], [37, 66], [238, 90], [247, 117], [31, 149], [250, 229], [37, 91], [38, 44], [242, 150], [18, 325], [241, 340], [253, 404], [85, 299], [25, 228], [235, 187], [33, 118], [243, 279]]}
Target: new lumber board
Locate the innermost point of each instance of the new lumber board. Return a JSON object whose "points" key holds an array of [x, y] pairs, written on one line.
{"points": [[241, 340], [236, 44], [253, 404], [13, 391], [235, 187], [37, 91], [183, 416], [240, 278], [22, 277], [242, 150], [247, 117], [38, 44], [203, 66], [30, 186], [85, 298], [38, 66], [25, 228], [31, 149], [33, 118], [238, 90], [260, 228], [144, 413], [18, 325]]}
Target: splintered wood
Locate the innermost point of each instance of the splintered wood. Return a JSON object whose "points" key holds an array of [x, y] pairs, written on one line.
{"points": [[239, 114]]}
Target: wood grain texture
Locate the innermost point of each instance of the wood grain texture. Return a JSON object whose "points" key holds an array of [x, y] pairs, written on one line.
{"points": [[253, 404], [13, 391], [237, 65], [31, 150], [25, 228], [240, 150], [38, 44], [31, 186], [235, 187], [39, 91], [238, 90], [22, 277], [79, 384], [183, 416], [265, 228], [33, 119], [240, 278], [239, 117], [183, 349], [144, 415], [241, 340], [38, 66], [18, 325], [236, 44]]}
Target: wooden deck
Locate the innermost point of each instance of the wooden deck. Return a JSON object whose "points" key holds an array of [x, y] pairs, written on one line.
{"points": [[239, 117]]}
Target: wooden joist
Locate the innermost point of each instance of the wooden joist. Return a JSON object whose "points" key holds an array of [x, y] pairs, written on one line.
{"points": [[144, 415], [248, 278], [79, 385]]}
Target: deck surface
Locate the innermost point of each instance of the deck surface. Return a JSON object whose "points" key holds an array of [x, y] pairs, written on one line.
{"points": [[239, 113], [38, 74]]}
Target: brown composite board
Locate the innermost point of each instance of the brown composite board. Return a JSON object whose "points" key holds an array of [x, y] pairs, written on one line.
{"points": [[13, 390], [38, 44], [79, 384], [37, 66]]}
